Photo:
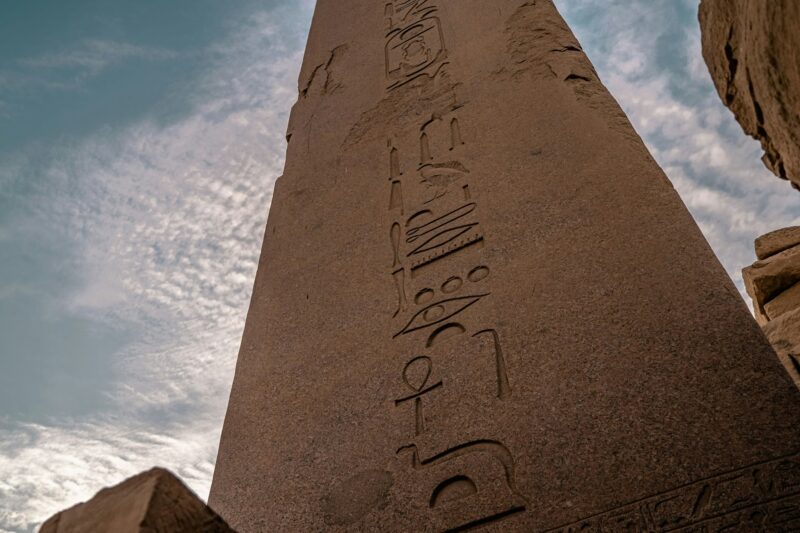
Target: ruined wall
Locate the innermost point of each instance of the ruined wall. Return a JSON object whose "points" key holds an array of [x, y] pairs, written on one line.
{"points": [[751, 48], [773, 283]]}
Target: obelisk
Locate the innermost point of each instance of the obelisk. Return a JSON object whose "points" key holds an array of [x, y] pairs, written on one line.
{"points": [[481, 305]]}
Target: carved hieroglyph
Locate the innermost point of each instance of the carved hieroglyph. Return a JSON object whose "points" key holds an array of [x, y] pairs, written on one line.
{"points": [[482, 306]]}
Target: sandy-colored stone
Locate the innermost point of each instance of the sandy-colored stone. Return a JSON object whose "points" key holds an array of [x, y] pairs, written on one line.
{"points": [[151, 502], [481, 305], [751, 48], [784, 335], [771, 283], [777, 241], [765, 280], [784, 302]]}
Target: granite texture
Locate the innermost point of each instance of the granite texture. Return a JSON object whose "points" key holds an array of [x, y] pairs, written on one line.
{"points": [[751, 48], [481, 305], [151, 502]]}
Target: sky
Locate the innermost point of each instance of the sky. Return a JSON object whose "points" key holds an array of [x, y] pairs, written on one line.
{"points": [[139, 144]]}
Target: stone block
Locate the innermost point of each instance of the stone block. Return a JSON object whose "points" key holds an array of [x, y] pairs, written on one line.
{"points": [[784, 335], [784, 302], [151, 502], [750, 47], [777, 241], [765, 280]]}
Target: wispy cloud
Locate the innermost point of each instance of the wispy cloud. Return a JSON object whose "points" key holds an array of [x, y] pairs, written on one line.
{"points": [[166, 222], [92, 56], [52, 467], [648, 54], [70, 68]]}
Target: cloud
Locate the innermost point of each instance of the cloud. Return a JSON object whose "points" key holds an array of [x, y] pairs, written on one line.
{"points": [[648, 54], [53, 467], [164, 224], [93, 55], [68, 69], [12, 290]]}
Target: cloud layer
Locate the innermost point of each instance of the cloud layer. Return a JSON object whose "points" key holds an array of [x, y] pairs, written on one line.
{"points": [[162, 223], [165, 225], [649, 56], [93, 55]]}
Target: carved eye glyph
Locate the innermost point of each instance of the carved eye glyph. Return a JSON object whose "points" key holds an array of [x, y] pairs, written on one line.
{"points": [[439, 312]]}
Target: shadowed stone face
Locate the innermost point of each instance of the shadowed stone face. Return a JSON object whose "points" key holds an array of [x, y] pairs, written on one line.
{"points": [[152, 501], [750, 48], [481, 304], [773, 282]]}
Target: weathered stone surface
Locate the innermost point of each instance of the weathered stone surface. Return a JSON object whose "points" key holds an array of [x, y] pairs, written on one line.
{"points": [[765, 280], [784, 302], [481, 305], [784, 335], [777, 241], [153, 501], [751, 48], [772, 283]]}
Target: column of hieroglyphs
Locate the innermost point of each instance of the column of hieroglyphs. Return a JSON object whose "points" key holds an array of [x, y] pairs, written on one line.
{"points": [[435, 216], [482, 306]]}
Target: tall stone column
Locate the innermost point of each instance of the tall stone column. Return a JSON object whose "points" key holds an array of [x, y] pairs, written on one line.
{"points": [[481, 305]]}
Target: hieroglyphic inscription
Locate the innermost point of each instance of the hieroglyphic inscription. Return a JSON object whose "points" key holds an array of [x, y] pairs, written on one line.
{"points": [[434, 214], [416, 375], [415, 46], [763, 497]]}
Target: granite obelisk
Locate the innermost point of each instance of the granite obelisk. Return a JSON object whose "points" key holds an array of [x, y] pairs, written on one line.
{"points": [[481, 305]]}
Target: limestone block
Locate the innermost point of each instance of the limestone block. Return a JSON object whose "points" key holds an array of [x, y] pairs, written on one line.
{"points": [[153, 501], [777, 241], [784, 335], [750, 47], [765, 280], [786, 301]]}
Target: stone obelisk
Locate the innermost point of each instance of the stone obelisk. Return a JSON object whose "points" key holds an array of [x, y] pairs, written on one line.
{"points": [[481, 305]]}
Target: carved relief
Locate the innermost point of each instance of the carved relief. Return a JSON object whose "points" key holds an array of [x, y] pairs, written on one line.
{"points": [[503, 386], [424, 149], [416, 375], [394, 163], [403, 11], [433, 215], [438, 312], [443, 333], [433, 237], [395, 235], [438, 178], [415, 49], [396, 197], [445, 221], [400, 284], [478, 274], [466, 486], [455, 134], [763, 497]]}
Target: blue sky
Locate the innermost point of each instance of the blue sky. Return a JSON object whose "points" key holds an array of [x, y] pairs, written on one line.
{"points": [[139, 142]]}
